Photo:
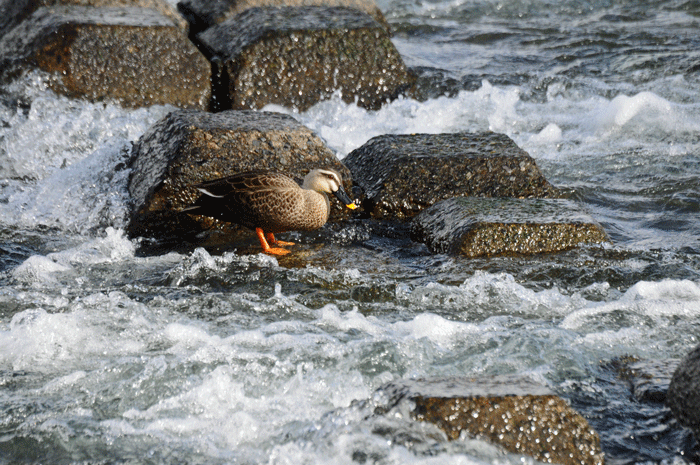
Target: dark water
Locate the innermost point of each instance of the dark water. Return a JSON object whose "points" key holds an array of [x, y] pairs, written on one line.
{"points": [[111, 356]]}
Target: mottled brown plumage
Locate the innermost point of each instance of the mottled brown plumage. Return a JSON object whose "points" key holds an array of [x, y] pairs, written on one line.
{"points": [[271, 201]]}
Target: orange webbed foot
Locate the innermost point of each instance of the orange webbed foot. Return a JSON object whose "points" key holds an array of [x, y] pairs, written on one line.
{"points": [[266, 247], [271, 239], [276, 251]]}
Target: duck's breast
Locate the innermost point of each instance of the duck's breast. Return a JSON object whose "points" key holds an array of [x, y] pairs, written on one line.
{"points": [[277, 211], [316, 210]]}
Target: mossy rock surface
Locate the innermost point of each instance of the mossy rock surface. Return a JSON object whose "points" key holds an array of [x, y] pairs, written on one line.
{"points": [[512, 412], [13, 12], [404, 174], [298, 56], [203, 14], [132, 56], [478, 227]]}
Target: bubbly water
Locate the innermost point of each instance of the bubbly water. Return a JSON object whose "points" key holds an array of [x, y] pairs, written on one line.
{"points": [[111, 356]]}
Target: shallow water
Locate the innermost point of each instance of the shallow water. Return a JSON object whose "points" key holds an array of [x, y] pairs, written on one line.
{"points": [[108, 354]]}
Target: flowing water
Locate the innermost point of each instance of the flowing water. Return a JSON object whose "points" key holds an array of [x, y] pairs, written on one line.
{"points": [[110, 355]]}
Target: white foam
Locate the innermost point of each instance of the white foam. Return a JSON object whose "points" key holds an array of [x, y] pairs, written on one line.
{"points": [[591, 125], [346, 446], [549, 135], [441, 333], [217, 405], [64, 162], [40, 270], [483, 292], [649, 303], [436, 330], [57, 131], [330, 315], [89, 194], [666, 290], [346, 127], [648, 311], [38, 340], [565, 125], [622, 109], [202, 262]]}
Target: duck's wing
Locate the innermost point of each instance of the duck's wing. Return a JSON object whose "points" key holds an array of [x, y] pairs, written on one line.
{"points": [[248, 182], [253, 199]]}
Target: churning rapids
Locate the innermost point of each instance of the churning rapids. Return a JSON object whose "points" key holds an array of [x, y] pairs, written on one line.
{"points": [[108, 355]]}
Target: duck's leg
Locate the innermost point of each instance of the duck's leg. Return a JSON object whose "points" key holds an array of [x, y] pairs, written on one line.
{"points": [[266, 247], [271, 239]]}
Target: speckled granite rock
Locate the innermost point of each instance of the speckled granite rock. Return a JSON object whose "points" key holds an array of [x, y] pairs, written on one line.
{"points": [[477, 227], [188, 147], [134, 56], [683, 396], [517, 414], [203, 14], [13, 12], [298, 56], [403, 174]]}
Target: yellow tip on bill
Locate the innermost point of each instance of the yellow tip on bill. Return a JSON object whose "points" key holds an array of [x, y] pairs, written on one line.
{"points": [[351, 206]]}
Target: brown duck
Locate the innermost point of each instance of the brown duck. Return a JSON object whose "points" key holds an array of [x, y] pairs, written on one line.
{"points": [[271, 202]]}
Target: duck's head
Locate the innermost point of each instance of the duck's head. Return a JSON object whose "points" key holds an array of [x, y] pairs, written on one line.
{"points": [[328, 181]]}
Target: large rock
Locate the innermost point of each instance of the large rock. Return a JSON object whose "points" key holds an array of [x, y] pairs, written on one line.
{"points": [[188, 147], [298, 56], [478, 227], [134, 56], [203, 14], [512, 412], [683, 397], [13, 12], [403, 174]]}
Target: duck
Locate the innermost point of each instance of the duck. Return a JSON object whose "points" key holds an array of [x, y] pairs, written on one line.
{"points": [[271, 202]]}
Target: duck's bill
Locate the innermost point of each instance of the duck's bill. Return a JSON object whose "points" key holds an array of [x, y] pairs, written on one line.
{"points": [[343, 197]]}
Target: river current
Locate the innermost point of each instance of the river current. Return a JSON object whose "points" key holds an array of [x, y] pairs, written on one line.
{"points": [[111, 355]]}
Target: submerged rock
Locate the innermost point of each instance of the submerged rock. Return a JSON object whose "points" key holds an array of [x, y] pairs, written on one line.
{"points": [[403, 174], [478, 227], [134, 56], [188, 147], [683, 397], [648, 379], [512, 412], [13, 12], [203, 14], [298, 56]]}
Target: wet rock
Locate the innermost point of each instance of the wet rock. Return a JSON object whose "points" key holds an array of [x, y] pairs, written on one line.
{"points": [[298, 56], [203, 14], [188, 147], [403, 174], [134, 56], [683, 396], [13, 12], [521, 416], [649, 379], [478, 227]]}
